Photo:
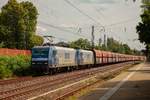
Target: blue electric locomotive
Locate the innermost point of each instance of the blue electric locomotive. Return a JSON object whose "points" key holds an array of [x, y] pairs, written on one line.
{"points": [[48, 58]]}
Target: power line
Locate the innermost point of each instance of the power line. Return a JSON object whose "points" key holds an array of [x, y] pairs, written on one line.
{"points": [[56, 27], [121, 22], [99, 11], [61, 29], [117, 23], [59, 38], [64, 30], [78, 34], [81, 11]]}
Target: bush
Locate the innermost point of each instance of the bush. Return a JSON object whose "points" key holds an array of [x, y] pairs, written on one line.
{"points": [[14, 65], [22, 66], [5, 72]]}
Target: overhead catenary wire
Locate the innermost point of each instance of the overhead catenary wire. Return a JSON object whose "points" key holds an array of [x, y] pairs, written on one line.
{"points": [[115, 24], [64, 30], [61, 29], [121, 22], [83, 13], [68, 31], [99, 11], [59, 38]]}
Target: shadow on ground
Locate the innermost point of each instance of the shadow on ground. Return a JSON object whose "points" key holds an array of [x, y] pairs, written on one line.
{"points": [[136, 88], [131, 90]]}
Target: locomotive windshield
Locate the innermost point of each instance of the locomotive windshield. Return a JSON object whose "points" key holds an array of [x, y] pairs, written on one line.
{"points": [[40, 52]]}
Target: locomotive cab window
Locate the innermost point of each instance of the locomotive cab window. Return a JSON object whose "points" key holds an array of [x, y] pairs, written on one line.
{"points": [[40, 52]]}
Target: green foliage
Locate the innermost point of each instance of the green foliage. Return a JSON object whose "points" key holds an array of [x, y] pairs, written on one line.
{"points": [[115, 46], [1, 44], [18, 24], [36, 40], [143, 28], [112, 45], [80, 43], [14, 65], [30, 22], [12, 22], [4, 70]]}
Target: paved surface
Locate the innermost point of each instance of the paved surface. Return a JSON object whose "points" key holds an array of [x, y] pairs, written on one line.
{"points": [[133, 84]]}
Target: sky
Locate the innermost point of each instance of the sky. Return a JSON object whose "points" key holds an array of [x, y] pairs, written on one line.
{"points": [[69, 20]]}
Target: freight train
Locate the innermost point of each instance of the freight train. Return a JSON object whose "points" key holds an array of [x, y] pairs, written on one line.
{"points": [[53, 58]]}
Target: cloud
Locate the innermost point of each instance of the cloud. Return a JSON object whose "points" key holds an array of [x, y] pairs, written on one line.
{"points": [[98, 1], [68, 25], [2, 3], [42, 29]]}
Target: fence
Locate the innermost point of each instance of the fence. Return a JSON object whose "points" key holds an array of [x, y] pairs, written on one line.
{"points": [[14, 52]]}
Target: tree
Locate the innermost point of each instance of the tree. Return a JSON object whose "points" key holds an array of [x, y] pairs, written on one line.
{"points": [[35, 40], [18, 24], [63, 44], [112, 45], [143, 28], [30, 20], [80, 44], [115, 46], [11, 27], [126, 49]]}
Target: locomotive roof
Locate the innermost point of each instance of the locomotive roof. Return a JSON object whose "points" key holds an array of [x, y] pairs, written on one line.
{"points": [[58, 47]]}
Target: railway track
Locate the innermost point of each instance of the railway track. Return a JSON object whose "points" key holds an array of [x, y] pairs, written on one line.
{"points": [[29, 87], [79, 88], [8, 81]]}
